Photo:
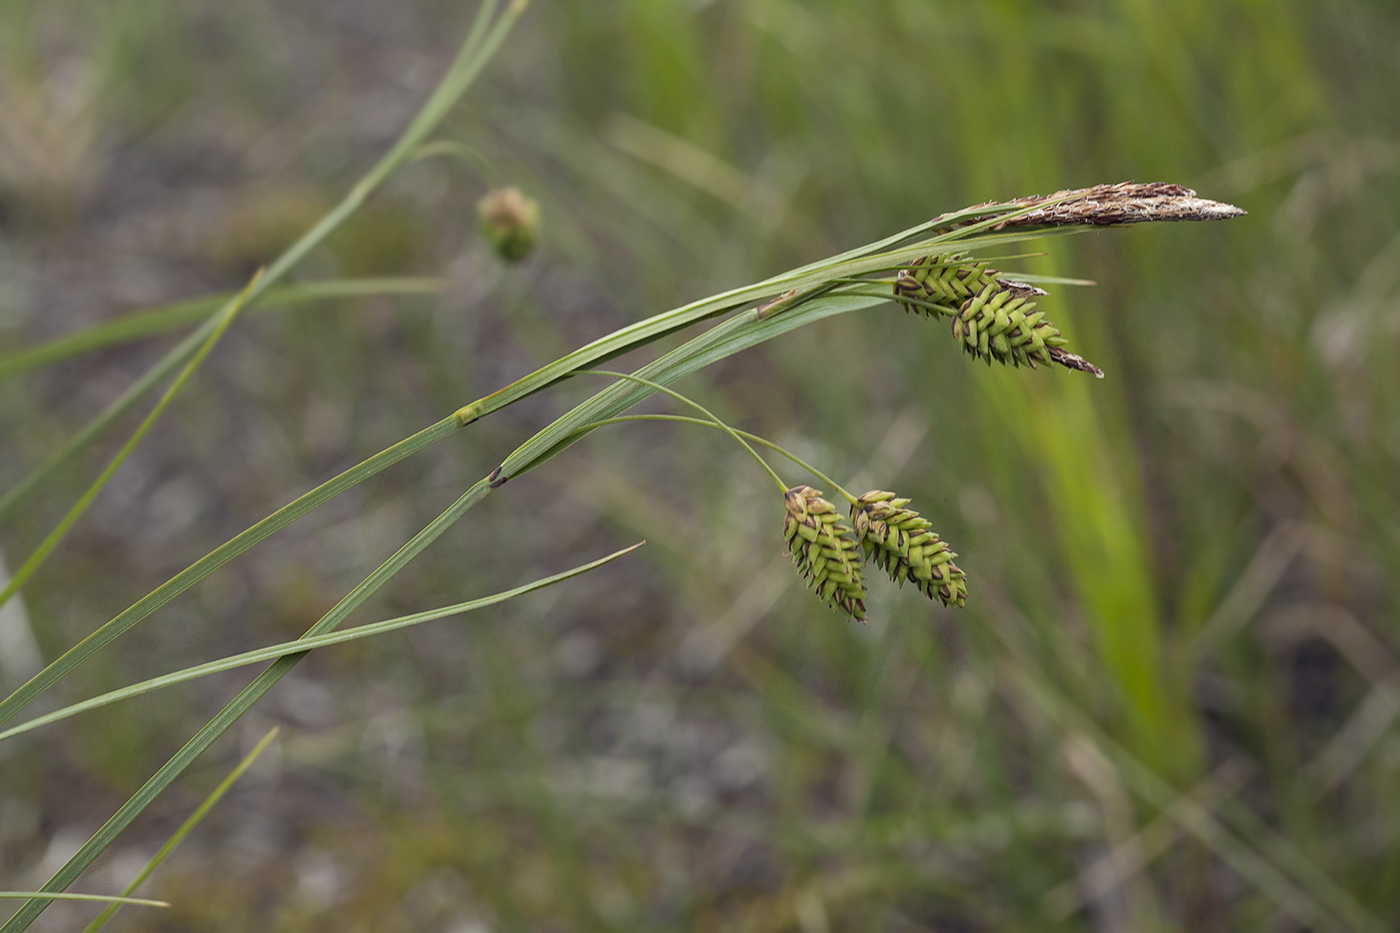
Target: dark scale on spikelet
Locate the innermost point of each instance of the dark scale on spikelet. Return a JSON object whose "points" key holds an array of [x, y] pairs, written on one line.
{"points": [[902, 545], [825, 550]]}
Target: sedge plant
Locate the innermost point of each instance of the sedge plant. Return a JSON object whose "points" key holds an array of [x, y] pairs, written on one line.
{"points": [[938, 271]]}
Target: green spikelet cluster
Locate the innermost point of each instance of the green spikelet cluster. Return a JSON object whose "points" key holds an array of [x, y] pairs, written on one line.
{"points": [[825, 550], [1000, 323], [904, 548], [994, 319], [946, 281]]}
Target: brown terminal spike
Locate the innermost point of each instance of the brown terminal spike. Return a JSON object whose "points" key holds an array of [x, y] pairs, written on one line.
{"points": [[1102, 206], [1111, 205], [902, 545], [825, 550]]}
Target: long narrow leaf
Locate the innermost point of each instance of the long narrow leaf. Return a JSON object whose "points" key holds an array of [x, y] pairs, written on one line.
{"points": [[303, 645], [481, 45], [106, 419], [186, 828], [51, 896], [215, 559]]}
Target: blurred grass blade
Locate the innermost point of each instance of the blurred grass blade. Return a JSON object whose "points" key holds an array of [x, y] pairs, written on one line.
{"points": [[305, 644], [481, 45], [1308, 895], [230, 714], [109, 416], [27, 569], [170, 317], [185, 828], [464, 68]]}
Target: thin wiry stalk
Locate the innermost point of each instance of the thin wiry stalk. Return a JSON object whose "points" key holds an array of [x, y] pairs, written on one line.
{"points": [[686, 400]]}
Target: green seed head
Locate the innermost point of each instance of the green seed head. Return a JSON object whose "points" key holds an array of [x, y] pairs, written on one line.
{"points": [[510, 222], [899, 540], [825, 550], [994, 318]]}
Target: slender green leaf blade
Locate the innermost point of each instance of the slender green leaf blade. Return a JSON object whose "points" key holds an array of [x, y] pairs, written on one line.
{"points": [[185, 828], [303, 645]]}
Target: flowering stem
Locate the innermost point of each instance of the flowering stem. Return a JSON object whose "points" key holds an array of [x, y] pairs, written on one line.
{"points": [[741, 436], [714, 421]]}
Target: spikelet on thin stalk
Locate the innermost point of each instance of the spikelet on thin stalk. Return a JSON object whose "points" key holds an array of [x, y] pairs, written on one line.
{"points": [[825, 550], [902, 545]]}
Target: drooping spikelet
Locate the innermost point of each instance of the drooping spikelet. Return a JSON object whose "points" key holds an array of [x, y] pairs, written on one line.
{"points": [[1000, 323], [904, 548], [994, 318], [825, 550]]}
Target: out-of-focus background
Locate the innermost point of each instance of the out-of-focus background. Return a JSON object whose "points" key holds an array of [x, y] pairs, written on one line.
{"points": [[1172, 699]]}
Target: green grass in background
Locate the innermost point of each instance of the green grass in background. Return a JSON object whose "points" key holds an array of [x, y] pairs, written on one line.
{"points": [[1181, 576]]}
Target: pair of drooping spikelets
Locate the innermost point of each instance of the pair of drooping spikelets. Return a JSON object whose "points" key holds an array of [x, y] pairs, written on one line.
{"points": [[830, 553], [994, 319]]}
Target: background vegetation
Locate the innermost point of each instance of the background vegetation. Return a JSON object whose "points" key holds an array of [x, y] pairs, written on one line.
{"points": [[1171, 700]]}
